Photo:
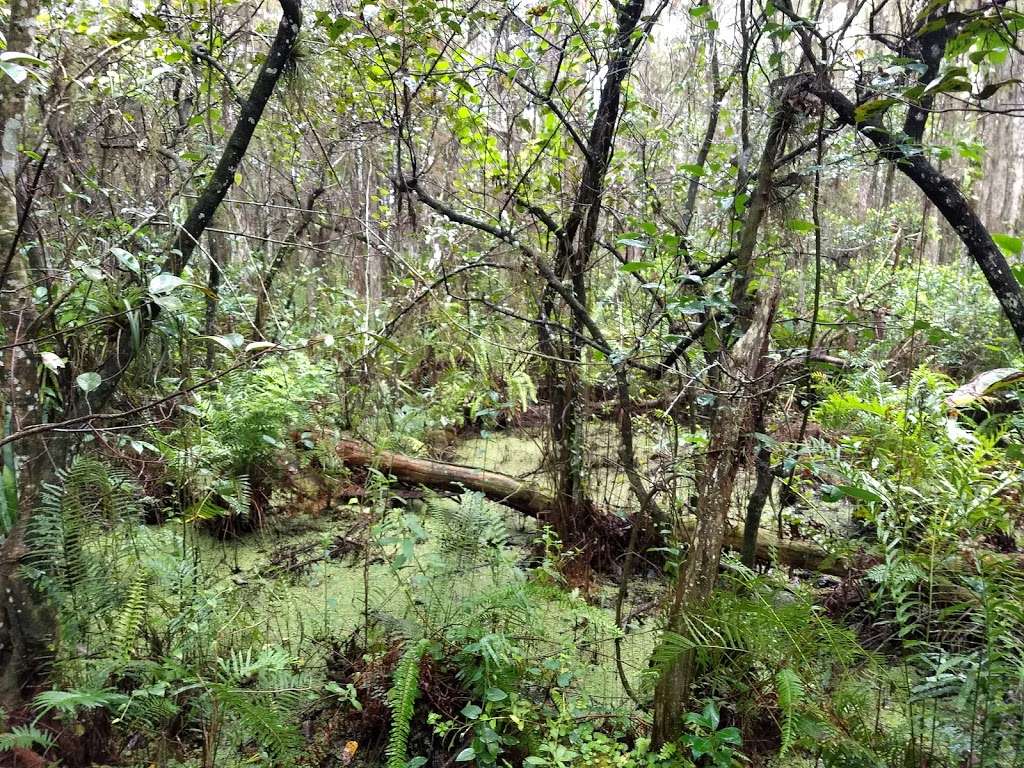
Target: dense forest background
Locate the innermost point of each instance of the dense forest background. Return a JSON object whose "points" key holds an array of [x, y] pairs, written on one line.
{"points": [[480, 382]]}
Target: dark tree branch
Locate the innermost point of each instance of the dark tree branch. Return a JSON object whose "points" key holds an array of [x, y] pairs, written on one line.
{"points": [[942, 190], [947, 197], [201, 214]]}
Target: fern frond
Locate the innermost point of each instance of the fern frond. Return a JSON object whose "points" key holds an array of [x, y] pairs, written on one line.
{"points": [[25, 737], [78, 576], [242, 666], [263, 717], [405, 689], [474, 530], [71, 702], [790, 690], [129, 620]]}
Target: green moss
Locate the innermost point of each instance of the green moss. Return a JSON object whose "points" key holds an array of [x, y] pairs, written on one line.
{"points": [[333, 597]]}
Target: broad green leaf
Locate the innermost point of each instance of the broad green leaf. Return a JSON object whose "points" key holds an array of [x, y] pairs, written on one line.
{"points": [[16, 72], [88, 382], [635, 266], [983, 386], [1009, 244], [635, 242], [52, 361], [169, 303], [165, 282], [800, 225], [991, 88], [126, 259], [256, 346], [856, 492], [230, 341], [19, 56], [870, 109], [9, 64]]}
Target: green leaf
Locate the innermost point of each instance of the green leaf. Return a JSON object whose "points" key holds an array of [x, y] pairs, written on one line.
{"points": [[88, 382], [635, 266], [52, 361], [16, 72], [169, 303], [230, 341], [635, 242], [856, 492], [18, 56], [495, 694], [9, 65], [471, 711], [256, 346], [165, 282], [91, 272], [983, 386], [465, 755], [1009, 244], [991, 88], [869, 109], [126, 259], [800, 225]]}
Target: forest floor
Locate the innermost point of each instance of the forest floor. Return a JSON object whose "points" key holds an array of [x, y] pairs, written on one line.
{"points": [[312, 578]]}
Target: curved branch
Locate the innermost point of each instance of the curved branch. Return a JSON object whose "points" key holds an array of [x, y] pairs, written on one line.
{"points": [[201, 214]]}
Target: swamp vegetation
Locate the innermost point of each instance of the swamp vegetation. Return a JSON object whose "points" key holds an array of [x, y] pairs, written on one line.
{"points": [[567, 384]]}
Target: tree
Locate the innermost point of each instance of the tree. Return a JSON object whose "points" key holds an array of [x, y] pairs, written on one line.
{"points": [[925, 41], [26, 627]]}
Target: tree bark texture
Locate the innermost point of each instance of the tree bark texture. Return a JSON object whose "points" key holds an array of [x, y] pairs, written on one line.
{"points": [[744, 368]]}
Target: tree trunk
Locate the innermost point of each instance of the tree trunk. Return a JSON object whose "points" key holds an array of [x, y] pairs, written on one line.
{"points": [[24, 630], [217, 242], [745, 364], [27, 622], [764, 479]]}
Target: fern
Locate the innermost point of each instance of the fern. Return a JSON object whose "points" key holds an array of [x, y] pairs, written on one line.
{"points": [[132, 614], [474, 531], [76, 568], [264, 717], [25, 737], [790, 689], [242, 666], [405, 689], [70, 703]]}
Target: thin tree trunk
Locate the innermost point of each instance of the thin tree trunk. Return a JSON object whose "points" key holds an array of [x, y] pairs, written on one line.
{"points": [[218, 253], [764, 479], [905, 154], [945, 194], [24, 630], [745, 365], [576, 240], [284, 252]]}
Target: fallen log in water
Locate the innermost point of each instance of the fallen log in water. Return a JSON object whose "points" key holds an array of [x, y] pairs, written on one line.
{"points": [[535, 502]]}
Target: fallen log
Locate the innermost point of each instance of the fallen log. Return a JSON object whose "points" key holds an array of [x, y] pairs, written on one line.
{"points": [[504, 489], [537, 503]]}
